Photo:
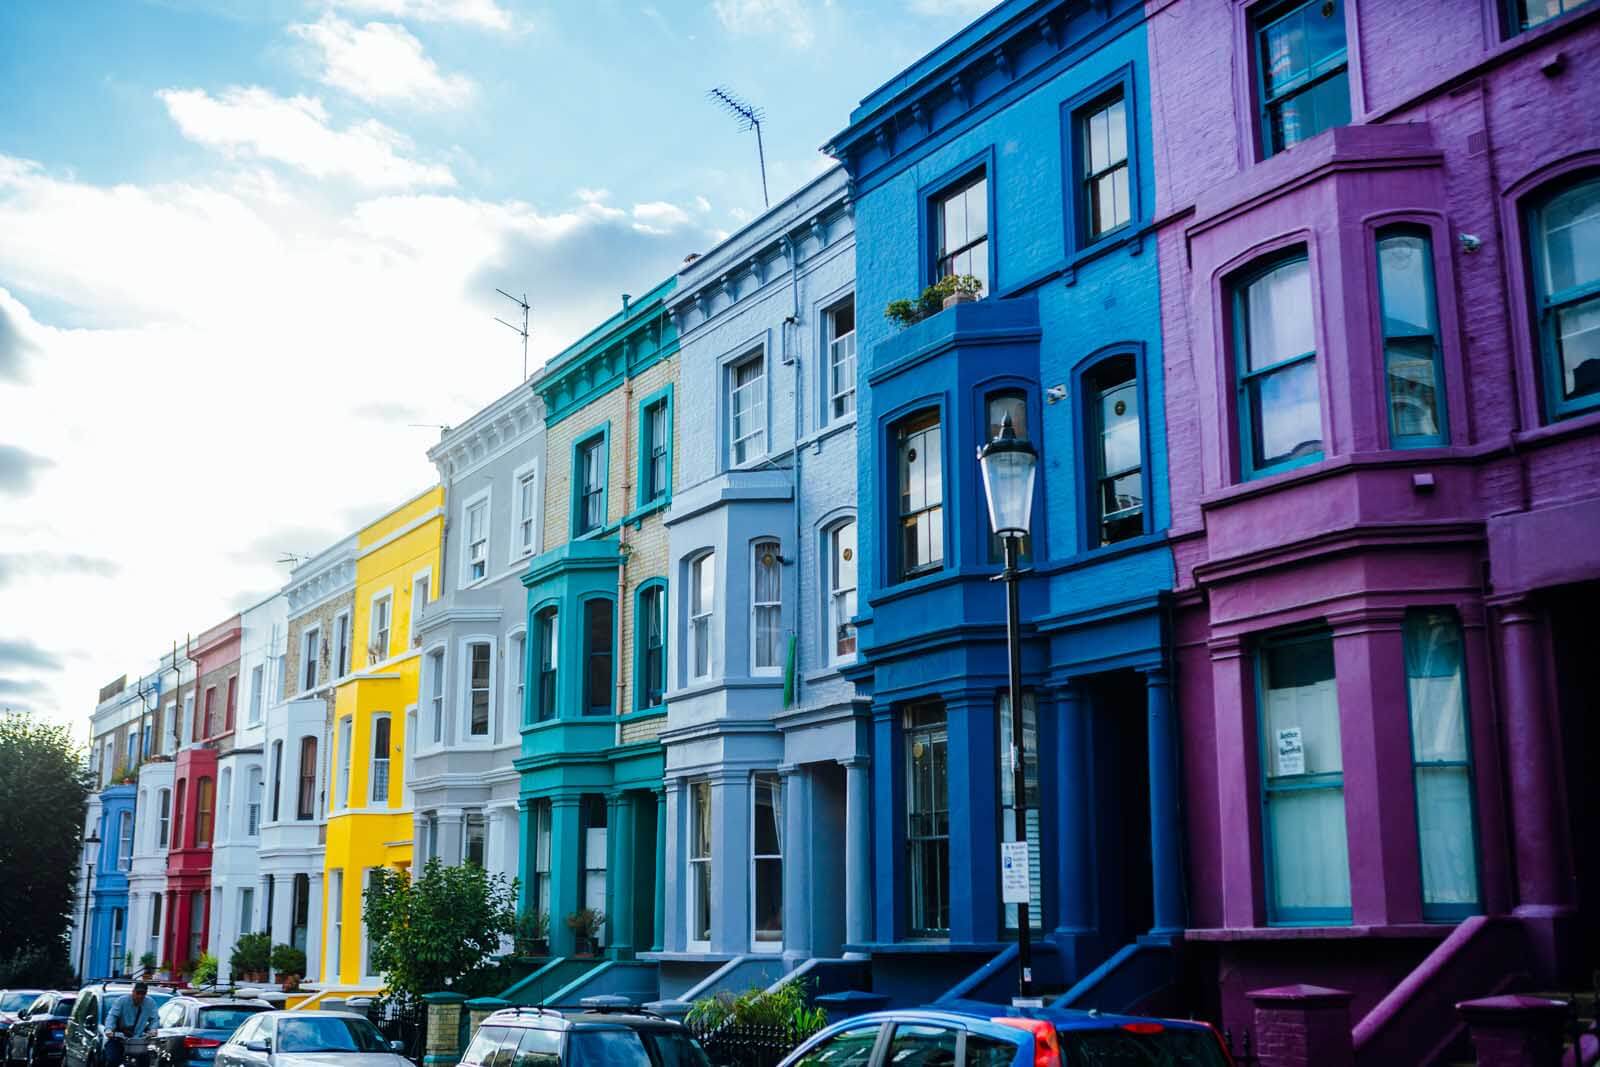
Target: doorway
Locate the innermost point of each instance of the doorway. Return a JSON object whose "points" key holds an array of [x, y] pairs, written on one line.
{"points": [[1122, 807], [1578, 698]]}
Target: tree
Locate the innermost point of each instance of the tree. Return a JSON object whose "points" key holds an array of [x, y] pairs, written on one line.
{"points": [[430, 934], [44, 789]]}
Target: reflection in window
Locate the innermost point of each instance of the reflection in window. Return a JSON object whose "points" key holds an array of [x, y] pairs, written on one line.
{"points": [[767, 859], [842, 590], [928, 817], [1007, 404], [1442, 763], [1118, 450], [1567, 239], [597, 651], [961, 225], [1531, 13], [1103, 135], [921, 499], [1410, 338], [1303, 72], [1280, 414], [653, 641], [700, 861]]}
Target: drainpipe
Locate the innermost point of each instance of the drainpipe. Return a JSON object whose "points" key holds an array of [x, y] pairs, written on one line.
{"points": [[799, 433], [189, 655], [622, 539]]}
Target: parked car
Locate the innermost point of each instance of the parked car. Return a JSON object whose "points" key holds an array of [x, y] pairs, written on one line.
{"points": [[293, 1038], [39, 1035], [13, 1001], [86, 1029], [190, 1029], [612, 1033], [973, 1034]]}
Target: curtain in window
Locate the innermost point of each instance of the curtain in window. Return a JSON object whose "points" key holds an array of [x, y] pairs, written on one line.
{"points": [[1436, 683], [1309, 852]]}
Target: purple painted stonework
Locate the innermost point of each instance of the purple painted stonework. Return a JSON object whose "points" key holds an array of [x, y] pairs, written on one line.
{"points": [[1516, 1031], [1304, 578], [1303, 1026]]}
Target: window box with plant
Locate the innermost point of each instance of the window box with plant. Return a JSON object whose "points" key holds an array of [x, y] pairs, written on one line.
{"points": [[948, 291]]}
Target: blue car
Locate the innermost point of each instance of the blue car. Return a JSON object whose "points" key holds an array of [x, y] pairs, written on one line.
{"points": [[973, 1034]]}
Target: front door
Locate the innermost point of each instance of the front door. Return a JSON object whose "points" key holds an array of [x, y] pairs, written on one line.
{"points": [[1578, 697]]}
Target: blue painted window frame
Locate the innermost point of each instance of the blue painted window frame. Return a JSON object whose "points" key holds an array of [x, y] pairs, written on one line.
{"points": [[1547, 304], [896, 545], [641, 701], [1423, 233], [600, 436], [1441, 912], [1087, 422], [587, 606], [546, 620], [993, 551], [1075, 192], [928, 198], [1244, 378], [1517, 23], [647, 444], [1263, 18], [1278, 915]]}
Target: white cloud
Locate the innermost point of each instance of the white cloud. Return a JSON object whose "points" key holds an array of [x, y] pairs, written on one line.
{"points": [[659, 217], [483, 13], [789, 18], [963, 8], [254, 123], [381, 63]]}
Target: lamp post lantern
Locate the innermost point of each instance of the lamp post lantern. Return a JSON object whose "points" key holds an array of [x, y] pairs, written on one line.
{"points": [[90, 844], [1009, 465]]}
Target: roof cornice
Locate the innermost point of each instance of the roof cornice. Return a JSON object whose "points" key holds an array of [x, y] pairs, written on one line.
{"points": [[514, 418], [636, 338]]}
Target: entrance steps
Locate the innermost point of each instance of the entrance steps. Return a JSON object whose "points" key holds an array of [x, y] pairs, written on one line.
{"points": [[553, 976], [1139, 978]]}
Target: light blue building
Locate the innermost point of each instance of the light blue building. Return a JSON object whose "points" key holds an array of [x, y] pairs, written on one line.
{"points": [[767, 843], [108, 896], [1019, 153]]}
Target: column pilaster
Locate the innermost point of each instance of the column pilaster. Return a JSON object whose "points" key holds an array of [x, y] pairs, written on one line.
{"points": [[797, 901], [858, 854], [621, 878], [1166, 808]]}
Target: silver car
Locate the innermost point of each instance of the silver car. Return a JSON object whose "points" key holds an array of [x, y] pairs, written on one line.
{"points": [[308, 1039]]}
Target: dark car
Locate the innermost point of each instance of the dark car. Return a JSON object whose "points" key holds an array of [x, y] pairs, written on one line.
{"points": [[86, 1029], [302, 1038], [972, 1034], [609, 1034], [39, 1035], [191, 1029], [13, 1001]]}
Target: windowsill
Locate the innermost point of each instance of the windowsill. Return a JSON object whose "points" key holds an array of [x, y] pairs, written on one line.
{"points": [[1093, 556], [642, 714]]}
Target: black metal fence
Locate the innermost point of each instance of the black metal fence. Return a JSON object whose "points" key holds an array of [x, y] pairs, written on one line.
{"points": [[402, 1019], [1241, 1049], [731, 1044]]}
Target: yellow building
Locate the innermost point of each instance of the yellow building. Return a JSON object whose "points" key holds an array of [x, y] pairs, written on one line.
{"points": [[369, 822]]}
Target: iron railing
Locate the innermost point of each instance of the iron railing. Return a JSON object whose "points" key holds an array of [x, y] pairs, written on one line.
{"points": [[734, 1044]]}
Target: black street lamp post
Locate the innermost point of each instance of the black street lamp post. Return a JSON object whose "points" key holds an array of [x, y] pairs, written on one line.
{"points": [[90, 844], [1009, 466]]}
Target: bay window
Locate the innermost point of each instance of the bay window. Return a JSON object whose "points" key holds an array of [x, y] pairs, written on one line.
{"points": [[918, 443], [1280, 407], [928, 818], [479, 669], [766, 608], [767, 861], [1441, 763], [1411, 348], [379, 773], [545, 628], [1566, 248], [702, 594], [700, 862], [598, 642]]}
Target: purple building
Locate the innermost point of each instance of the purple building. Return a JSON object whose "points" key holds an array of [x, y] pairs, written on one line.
{"points": [[1379, 237]]}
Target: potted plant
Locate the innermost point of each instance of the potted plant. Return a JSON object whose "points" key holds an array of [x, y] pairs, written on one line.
{"points": [[946, 292], [533, 934], [165, 968], [147, 965], [290, 965], [585, 925], [252, 955], [205, 970]]}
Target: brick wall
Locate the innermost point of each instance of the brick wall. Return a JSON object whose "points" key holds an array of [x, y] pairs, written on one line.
{"points": [[322, 615]]}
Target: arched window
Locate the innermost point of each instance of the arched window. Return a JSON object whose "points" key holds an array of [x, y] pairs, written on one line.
{"points": [[1275, 352], [998, 407], [1566, 250], [841, 586], [548, 637], [766, 608], [1115, 451], [652, 642], [598, 644], [1411, 349], [919, 461]]}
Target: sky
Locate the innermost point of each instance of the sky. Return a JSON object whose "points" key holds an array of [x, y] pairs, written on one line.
{"points": [[249, 252]]}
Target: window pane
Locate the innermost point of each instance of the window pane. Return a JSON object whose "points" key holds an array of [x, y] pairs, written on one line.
{"points": [[1286, 413], [1012, 404], [1403, 278], [1444, 833], [849, 1048], [928, 817], [479, 721], [1572, 238], [1413, 394], [1277, 309], [921, 1046], [1300, 694], [1119, 427], [1310, 853], [1578, 335], [597, 616], [768, 858]]}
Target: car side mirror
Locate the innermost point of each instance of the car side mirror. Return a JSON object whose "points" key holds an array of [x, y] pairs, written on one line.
{"points": [[260, 1044], [397, 1047]]}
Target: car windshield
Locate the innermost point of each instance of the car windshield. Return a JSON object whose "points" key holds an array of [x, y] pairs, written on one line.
{"points": [[1124, 1048], [606, 1048], [16, 1001], [227, 1018], [327, 1034], [64, 1006], [111, 999], [674, 1048]]}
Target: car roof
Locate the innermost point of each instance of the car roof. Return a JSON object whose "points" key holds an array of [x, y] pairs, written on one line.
{"points": [[550, 1018], [316, 1013], [967, 1012]]}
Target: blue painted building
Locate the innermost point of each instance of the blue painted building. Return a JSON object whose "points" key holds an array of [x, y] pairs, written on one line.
{"points": [[108, 897], [1018, 153], [766, 739]]}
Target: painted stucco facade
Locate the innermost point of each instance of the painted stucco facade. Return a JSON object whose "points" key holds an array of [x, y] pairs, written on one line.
{"points": [[762, 729], [473, 638]]}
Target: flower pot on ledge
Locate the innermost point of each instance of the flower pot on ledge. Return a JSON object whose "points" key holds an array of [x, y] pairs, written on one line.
{"points": [[959, 298]]}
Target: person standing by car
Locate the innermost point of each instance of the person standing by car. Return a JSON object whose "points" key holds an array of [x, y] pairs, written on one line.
{"points": [[131, 1016]]}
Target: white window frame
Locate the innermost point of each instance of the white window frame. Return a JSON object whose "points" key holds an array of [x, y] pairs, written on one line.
{"points": [[833, 393], [483, 499], [188, 725], [422, 579], [759, 392], [757, 945], [481, 818], [172, 726], [346, 756], [258, 680], [759, 606], [464, 648], [163, 819], [336, 921], [524, 544], [702, 616], [691, 894], [311, 659], [125, 841], [436, 660], [386, 645], [252, 804], [344, 640], [373, 760], [833, 615], [516, 667]]}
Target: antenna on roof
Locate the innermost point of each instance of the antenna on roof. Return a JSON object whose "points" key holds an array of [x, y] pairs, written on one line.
{"points": [[293, 559], [521, 302], [750, 118]]}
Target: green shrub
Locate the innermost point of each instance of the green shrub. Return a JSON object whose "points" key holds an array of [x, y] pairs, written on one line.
{"points": [[785, 1007], [286, 959], [252, 954], [931, 302], [205, 969]]}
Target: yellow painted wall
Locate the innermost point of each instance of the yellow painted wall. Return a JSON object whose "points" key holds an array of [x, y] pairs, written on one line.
{"points": [[364, 832]]}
